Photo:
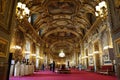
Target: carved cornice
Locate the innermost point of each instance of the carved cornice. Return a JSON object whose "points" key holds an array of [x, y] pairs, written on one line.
{"points": [[62, 20], [95, 25], [28, 29]]}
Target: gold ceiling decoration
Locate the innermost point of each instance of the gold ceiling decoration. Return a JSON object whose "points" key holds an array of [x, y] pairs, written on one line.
{"points": [[60, 22]]}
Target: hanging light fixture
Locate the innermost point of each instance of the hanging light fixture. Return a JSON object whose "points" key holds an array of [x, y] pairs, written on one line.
{"points": [[61, 54], [22, 11], [101, 9]]}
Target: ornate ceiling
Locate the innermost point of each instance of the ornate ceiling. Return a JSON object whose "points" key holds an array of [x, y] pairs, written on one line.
{"points": [[62, 24]]}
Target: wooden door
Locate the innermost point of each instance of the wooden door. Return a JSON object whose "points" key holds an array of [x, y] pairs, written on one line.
{"points": [[97, 58]]}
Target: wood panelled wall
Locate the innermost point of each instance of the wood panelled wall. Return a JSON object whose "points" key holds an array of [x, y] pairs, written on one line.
{"points": [[7, 11], [114, 20]]}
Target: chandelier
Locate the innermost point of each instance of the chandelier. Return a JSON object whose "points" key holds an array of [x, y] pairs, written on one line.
{"points": [[101, 9], [61, 54], [22, 11]]}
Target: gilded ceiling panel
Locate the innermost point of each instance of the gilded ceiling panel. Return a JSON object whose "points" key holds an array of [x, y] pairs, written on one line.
{"points": [[62, 20]]}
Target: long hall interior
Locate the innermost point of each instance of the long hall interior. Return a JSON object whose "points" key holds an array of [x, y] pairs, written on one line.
{"points": [[60, 39]]}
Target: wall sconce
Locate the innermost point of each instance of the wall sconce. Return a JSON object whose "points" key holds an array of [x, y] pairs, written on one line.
{"points": [[33, 55], [107, 47], [96, 52], [90, 54], [84, 57], [16, 47], [37, 57], [27, 52], [58, 63], [101, 9], [41, 57], [22, 11]]}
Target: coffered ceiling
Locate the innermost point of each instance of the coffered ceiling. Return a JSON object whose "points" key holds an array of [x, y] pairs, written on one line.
{"points": [[62, 24]]}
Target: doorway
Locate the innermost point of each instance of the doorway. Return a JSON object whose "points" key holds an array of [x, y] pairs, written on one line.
{"points": [[87, 63], [97, 61]]}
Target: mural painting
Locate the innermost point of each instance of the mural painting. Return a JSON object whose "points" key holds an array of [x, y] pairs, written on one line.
{"points": [[91, 60], [61, 7]]}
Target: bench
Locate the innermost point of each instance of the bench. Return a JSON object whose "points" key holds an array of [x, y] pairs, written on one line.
{"points": [[64, 71], [106, 69]]}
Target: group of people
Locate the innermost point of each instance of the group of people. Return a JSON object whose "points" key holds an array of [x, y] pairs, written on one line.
{"points": [[51, 67], [21, 69]]}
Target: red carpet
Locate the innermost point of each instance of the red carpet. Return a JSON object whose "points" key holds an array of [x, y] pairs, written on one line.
{"points": [[75, 75]]}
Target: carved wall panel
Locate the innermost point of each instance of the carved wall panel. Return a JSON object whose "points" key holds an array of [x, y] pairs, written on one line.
{"points": [[5, 14], [3, 47], [7, 9]]}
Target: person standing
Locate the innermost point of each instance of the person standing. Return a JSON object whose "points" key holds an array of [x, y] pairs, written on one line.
{"points": [[80, 67], [50, 66], [53, 66], [43, 67]]}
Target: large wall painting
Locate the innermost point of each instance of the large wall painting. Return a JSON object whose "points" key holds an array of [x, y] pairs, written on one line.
{"points": [[27, 47], [3, 47], [91, 61], [106, 58], [104, 39], [27, 50], [117, 47]]}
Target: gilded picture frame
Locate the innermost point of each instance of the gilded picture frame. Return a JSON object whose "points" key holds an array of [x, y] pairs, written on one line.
{"points": [[117, 47], [3, 47]]}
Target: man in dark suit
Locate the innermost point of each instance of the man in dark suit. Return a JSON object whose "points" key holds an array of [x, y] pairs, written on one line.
{"points": [[53, 66]]}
